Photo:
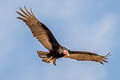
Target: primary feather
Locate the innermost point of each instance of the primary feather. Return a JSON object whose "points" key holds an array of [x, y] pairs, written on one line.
{"points": [[39, 30]]}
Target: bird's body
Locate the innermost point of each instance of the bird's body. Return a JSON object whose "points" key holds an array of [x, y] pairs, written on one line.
{"points": [[55, 50]]}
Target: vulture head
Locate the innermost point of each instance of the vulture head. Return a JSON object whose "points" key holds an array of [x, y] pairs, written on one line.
{"points": [[63, 51]]}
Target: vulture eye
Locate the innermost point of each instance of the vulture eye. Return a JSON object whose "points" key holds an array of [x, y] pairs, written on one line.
{"points": [[66, 52]]}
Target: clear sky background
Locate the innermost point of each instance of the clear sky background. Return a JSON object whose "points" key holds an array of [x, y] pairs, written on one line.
{"points": [[92, 25]]}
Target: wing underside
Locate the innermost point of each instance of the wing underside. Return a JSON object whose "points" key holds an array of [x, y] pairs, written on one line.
{"points": [[38, 29], [87, 56]]}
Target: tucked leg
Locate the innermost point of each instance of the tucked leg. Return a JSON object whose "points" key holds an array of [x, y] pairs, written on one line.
{"points": [[49, 59]]}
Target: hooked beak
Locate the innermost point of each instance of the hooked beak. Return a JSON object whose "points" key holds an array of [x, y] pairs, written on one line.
{"points": [[66, 53]]}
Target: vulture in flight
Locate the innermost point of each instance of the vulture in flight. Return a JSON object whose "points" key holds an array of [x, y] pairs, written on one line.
{"points": [[47, 39]]}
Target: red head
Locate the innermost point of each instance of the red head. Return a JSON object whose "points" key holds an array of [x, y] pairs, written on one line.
{"points": [[66, 52]]}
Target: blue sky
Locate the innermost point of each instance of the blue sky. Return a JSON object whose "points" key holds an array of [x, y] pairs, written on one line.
{"points": [[91, 25]]}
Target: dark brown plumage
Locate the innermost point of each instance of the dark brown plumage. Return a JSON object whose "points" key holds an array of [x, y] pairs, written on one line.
{"points": [[46, 38]]}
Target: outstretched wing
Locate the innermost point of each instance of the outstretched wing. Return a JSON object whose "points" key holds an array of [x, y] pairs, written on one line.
{"points": [[39, 30], [87, 56]]}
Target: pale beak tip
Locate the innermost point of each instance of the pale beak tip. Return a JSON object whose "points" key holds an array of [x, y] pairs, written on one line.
{"points": [[68, 54]]}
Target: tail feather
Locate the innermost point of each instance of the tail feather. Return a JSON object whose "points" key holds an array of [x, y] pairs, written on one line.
{"points": [[46, 58], [42, 54]]}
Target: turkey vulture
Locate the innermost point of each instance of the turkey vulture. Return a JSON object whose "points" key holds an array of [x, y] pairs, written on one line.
{"points": [[46, 38]]}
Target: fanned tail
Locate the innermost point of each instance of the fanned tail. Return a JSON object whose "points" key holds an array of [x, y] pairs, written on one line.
{"points": [[46, 59]]}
